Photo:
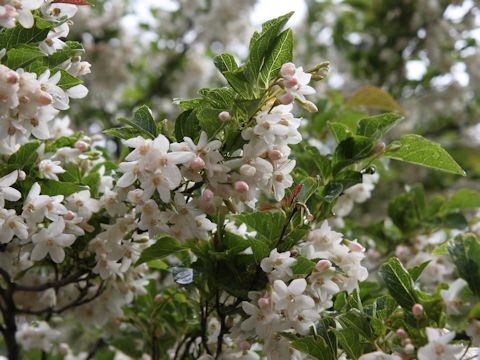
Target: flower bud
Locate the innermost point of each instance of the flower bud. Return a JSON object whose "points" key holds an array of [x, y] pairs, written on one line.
{"points": [[197, 164], [310, 106], [378, 148], [356, 247], [417, 310], [21, 175], [323, 265], [247, 170], [286, 98], [241, 186], [287, 70], [70, 215], [224, 116], [401, 332], [244, 345], [12, 77], [135, 196], [290, 83], [409, 349], [275, 155], [81, 145], [158, 298], [263, 302], [207, 195], [44, 98]]}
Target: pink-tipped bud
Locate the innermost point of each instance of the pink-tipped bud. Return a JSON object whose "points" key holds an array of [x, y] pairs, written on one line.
{"points": [[241, 186], [70, 215], [247, 170], [323, 265], [197, 164], [21, 175], [356, 247], [244, 345], [417, 310], [290, 83], [12, 77], [310, 106], [275, 155], [224, 116], [378, 148], [401, 332], [288, 70], [81, 145], [45, 98], [262, 302], [286, 98], [207, 195], [158, 297]]}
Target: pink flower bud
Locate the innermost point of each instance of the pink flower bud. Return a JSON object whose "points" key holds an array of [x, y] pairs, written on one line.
{"points": [[378, 148], [197, 164], [287, 70], [21, 175], [286, 98], [241, 186], [417, 310], [356, 247], [12, 77], [70, 215], [290, 83], [262, 302], [81, 145], [401, 333], [323, 265], [247, 170], [244, 345], [207, 195], [224, 116], [158, 298], [275, 155], [44, 98]]}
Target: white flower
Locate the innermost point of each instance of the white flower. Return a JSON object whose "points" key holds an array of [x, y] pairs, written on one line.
{"points": [[379, 355], [473, 330], [37, 207], [24, 9], [11, 225], [301, 88], [454, 303], [263, 320], [278, 265], [8, 15], [281, 179], [83, 204], [49, 169], [36, 335], [291, 297], [324, 243], [52, 241], [438, 347], [6, 191]]}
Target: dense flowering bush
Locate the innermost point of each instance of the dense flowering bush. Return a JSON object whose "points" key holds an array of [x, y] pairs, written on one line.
{"points": [[226, 233]]}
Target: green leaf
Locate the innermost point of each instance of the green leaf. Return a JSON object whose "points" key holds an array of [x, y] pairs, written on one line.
{"points": [[462, 199], [53, 187], [354, 319], [465, 253], [225, 62], [340, 131], [25, 156], [349, 340], [417, 150], [73, 48], [282, 53], [18, 35], [143, 120], [209, 122], [21, 56], [406, 210], [267, 224], [416, 271], [187, 124], [67, 80], [324, 164], [348, 178], [309, 187], [315, 346], [303, 266], [399, 283], [165, 245], [374, 98], [125, 132], [332, 191], [375, 127], [239, 82], [261, 47], [350, 151]]}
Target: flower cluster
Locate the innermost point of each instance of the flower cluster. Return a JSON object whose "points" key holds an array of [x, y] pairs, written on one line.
{"points": [[294, 304]]}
